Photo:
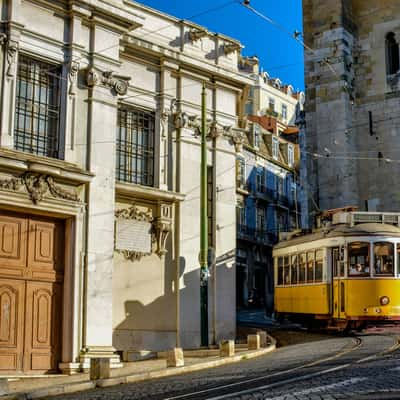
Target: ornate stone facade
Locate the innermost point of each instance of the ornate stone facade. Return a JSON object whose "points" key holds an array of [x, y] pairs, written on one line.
{"points": [[126, 106], [37, 186]]}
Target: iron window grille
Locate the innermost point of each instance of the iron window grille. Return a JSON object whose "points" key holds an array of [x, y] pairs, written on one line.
{"points": [[37, 108], [135, 146]]}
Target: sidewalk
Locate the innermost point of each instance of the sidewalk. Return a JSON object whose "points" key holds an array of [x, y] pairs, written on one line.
{"points": [[35, 387]]}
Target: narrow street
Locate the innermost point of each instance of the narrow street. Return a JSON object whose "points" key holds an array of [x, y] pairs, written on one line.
{"points": [[307, 366]]}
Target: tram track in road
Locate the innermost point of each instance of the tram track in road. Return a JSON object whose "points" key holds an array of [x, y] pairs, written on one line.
{"points": [[364, 348]]}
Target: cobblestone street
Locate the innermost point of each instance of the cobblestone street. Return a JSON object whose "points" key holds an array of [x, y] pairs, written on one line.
{"points": [[313, 366]]}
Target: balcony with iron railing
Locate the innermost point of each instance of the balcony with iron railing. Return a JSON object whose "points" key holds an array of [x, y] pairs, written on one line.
{"points": [[263, 192], [256, 235]]}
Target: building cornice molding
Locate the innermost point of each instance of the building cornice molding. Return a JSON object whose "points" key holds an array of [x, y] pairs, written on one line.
{"points": [[204, 69], [11, 160], [147, 193]]}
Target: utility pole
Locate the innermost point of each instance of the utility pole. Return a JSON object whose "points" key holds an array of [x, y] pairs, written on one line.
{"points": [[204, 272]]}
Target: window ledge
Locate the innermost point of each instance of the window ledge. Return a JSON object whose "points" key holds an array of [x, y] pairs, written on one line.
{"points": [[17, 160], [147, 192]]}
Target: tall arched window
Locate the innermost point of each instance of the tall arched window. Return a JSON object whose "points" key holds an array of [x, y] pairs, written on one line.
{"points": [[392, 54]]}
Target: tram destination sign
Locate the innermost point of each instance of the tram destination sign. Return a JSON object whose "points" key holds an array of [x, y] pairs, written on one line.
{"points": [[133, 235]]}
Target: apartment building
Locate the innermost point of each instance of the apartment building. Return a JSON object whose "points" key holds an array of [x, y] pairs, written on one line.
{"points": [[268, 184]]}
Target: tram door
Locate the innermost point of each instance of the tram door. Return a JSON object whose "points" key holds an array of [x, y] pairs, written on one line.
{"points": [[338, 285]]}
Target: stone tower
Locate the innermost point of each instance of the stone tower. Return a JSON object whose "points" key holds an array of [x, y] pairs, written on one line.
{"points": [[353, 103]]}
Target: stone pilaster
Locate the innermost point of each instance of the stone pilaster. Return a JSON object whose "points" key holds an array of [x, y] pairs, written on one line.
{"points": [[10, 45], [104, 87]]}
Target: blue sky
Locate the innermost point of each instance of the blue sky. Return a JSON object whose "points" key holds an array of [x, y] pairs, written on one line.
{"points": [[279, 54]]}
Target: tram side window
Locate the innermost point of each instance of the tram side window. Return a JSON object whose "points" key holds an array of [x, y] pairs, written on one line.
{"points": [[383, 258], [358, 255], [310, 266], [302, 267], [398, 257], [294, 273], [319, 261], [286, 270], [280, 271]]}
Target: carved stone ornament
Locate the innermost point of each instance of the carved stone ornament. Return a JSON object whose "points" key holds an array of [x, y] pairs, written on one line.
{"points": [[238, 140], [73, 76], [217, 130], [132, 255], [117, 83], [134, 213], [10, 184], [231, 48], [180, 120], [160, 228], [197, 34], [12, 50], [92, 77], [37, 186], [184, 120], [164, 123], [3, 38]]}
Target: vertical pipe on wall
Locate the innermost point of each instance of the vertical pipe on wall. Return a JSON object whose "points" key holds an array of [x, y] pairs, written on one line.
{"points": [[204, 273]]}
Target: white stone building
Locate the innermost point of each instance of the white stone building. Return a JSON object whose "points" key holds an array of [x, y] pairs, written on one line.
{"points": [[99, 181]]}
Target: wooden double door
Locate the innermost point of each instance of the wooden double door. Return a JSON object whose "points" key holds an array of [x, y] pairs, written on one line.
{"points": [[31, 287]]}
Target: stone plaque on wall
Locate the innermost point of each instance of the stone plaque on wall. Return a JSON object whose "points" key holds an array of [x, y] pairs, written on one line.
{"points": [[133, 235]]}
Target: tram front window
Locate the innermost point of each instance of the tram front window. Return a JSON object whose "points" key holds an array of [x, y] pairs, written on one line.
{"points": [[383, 258], [358, 254]]}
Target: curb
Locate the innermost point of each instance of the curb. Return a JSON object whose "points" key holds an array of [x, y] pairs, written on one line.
{"points": [[185, 369], [102, 383]]}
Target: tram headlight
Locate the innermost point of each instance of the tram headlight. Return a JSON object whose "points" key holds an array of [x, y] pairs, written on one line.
{"points": [[384, 300]]}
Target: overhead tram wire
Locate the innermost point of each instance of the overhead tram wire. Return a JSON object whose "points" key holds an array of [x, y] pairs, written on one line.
{"points": [[294, 35]]}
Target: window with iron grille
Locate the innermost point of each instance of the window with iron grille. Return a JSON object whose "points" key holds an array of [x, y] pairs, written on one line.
{"points": [[135, 146], [37, 108]]}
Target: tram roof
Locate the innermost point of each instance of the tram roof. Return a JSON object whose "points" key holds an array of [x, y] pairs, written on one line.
{"points": [[367, 229]]}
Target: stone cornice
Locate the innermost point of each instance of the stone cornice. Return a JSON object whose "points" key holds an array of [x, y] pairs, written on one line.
{"points": [[187, 23], [196, 65], [107, 13], [147, 193], [11, 160]]}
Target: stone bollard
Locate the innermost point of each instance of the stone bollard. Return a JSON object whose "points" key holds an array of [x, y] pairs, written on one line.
{"points": [[175, 358], [253, 342], [99, 368], [226, 348], [263, 338], [4, 386]]}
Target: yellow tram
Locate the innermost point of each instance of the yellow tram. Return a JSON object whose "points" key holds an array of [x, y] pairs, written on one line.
{"points": [[342, 275]]}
